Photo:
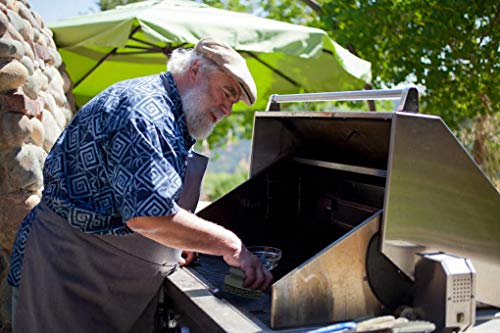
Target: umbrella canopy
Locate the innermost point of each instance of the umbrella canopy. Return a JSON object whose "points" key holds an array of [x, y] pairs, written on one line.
{"points": [[135, 40]]}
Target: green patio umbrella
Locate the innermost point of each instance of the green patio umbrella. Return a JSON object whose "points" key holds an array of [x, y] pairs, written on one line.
{"points": [[135, 40]]}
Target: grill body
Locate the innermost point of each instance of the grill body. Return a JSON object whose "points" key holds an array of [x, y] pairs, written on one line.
{"points": [[350, 199]]}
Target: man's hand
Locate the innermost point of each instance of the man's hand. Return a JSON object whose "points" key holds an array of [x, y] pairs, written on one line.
{"points": [[187, 257], [256, 275]]}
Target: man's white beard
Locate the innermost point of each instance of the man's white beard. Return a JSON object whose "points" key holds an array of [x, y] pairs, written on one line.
{"points": [[195, 103]]}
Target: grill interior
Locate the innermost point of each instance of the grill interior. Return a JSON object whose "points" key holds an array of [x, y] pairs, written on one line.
{"points": [[297, 207]]}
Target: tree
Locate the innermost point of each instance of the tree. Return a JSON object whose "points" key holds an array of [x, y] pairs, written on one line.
{"points": [[449, 46]]}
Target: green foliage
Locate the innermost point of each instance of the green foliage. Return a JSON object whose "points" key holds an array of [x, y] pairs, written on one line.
{"points": [[234, 5], [449, 46], [239, 124], [217, 184], [292, 11], [110, 4], [468, 133], [228, 167]]}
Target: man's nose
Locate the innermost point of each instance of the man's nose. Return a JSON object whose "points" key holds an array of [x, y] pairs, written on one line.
{"points": [[227, 107]]}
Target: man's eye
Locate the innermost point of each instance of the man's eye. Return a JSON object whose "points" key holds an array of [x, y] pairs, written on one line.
{"points": [[226, 95]]}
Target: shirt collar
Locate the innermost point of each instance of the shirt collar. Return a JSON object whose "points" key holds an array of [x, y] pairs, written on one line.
{"points": [[173, 94]]}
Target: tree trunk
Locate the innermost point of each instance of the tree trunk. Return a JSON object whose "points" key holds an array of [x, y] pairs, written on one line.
{"points": [[479, 150], [371, 103], [480, 134]]}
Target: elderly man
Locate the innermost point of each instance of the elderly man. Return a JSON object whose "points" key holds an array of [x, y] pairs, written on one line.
{"points": [[118, 187]]}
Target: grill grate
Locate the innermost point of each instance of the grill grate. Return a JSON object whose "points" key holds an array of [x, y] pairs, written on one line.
{"points": [[212, 271]]}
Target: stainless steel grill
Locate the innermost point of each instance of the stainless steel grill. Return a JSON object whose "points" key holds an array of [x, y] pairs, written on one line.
{"points": [[350, 198]]}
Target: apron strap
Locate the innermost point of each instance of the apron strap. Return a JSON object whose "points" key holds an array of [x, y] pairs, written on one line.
{"points": [[191, 187]]}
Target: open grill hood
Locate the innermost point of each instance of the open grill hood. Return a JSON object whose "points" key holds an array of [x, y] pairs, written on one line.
{"points": [[436, 197]]}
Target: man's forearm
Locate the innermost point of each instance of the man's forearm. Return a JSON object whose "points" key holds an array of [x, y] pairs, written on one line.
{"points": [[188, 232]]}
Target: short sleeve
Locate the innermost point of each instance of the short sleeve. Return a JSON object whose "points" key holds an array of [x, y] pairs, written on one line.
{"points": [[144, 170]]}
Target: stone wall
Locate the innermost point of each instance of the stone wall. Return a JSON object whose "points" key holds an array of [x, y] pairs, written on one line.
{"points": [[35, 105]]}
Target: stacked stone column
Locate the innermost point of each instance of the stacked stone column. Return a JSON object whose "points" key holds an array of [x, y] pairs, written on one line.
{"points": [[35, 105]]}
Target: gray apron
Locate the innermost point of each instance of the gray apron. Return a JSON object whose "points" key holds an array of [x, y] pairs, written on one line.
{"points": [[77, 282]]}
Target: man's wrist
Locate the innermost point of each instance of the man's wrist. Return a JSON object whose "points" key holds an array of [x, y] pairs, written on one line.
{"points": [[234, 244]]}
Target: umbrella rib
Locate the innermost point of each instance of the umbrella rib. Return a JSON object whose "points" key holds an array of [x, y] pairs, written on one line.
{"points": [[106, 56], [165, 50], [138, 47], [146, 51], [144, 42], [277, 71], [110, 53], [143, 50]]}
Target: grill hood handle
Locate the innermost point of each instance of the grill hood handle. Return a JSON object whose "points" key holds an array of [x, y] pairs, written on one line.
{"points": [[408, 98]]}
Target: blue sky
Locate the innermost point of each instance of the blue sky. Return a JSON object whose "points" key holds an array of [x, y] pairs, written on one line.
{"points": [[52, 10]]}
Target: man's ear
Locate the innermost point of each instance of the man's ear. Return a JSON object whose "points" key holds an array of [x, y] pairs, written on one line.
{"points": [[194, 70]]}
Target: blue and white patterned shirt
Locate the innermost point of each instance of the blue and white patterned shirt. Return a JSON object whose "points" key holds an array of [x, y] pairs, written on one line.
{"points": [[124, 155]]}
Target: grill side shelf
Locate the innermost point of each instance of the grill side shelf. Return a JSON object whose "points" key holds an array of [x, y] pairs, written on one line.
{"points": [[204, 311]]}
